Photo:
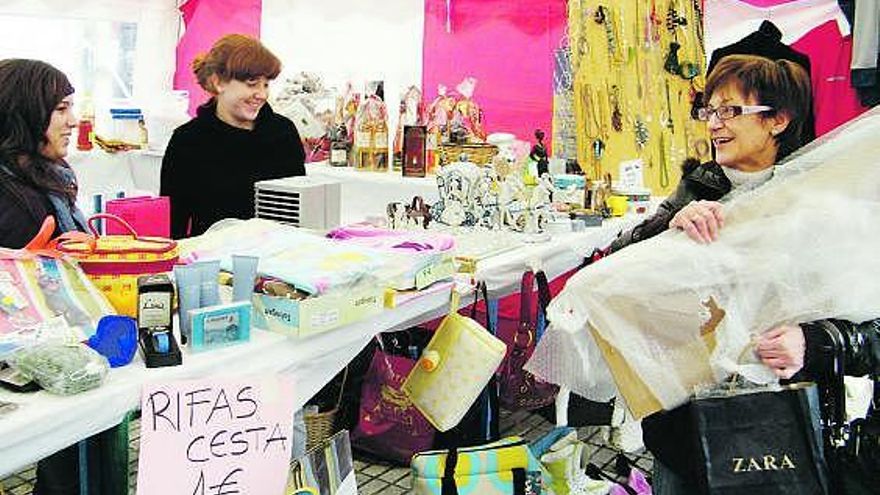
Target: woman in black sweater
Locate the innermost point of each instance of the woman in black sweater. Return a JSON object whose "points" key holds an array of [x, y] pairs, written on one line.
{"points": [[235, 140]]}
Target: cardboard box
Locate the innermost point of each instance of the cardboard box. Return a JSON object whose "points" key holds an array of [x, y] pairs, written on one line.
{"points": [[318, 314]]}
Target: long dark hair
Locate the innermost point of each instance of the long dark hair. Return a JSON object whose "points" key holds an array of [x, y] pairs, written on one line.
{"points": [[29, 92]]}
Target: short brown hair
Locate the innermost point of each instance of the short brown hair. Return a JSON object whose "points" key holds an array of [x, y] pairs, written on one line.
{"points": [[781, 84], [235, 56]]}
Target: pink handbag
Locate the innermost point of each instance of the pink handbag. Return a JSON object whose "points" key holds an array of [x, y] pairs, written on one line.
{"points": [[147, 215], [389, 425]]}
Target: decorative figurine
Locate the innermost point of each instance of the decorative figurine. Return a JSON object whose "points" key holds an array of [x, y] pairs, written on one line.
{"points": [[539, 154]]}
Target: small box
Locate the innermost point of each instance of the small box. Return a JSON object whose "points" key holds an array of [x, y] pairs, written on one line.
{"points": [[220, 326], [415, 151], [317, 314]]}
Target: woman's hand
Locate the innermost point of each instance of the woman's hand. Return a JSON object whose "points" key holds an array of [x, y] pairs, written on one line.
{"points": [[701, 220], [782, 350]]}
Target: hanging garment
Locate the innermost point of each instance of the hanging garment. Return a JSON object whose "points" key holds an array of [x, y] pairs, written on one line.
{"points": [[794, 19], [865, 46], [834, 100]]}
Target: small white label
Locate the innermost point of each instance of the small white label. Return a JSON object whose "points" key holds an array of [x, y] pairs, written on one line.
{"points": [[154, 310], [338, 156], [325, 319]]}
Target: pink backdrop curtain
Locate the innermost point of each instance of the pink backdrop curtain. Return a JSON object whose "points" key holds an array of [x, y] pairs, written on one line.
{"points": [[206, 21], [507, 45]]}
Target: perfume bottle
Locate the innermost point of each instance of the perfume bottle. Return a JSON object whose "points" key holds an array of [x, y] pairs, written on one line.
{"points": [[339, 147]]}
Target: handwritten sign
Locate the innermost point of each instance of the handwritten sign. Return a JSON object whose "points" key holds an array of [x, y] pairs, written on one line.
{"points": [[215, 437]]}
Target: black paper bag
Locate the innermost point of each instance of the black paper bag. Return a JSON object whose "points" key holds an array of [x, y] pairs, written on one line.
{"points": [[761, 443]]}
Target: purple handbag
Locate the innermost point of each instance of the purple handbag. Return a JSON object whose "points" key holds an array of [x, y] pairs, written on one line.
{"points": [[519, 388], [389, 425]]}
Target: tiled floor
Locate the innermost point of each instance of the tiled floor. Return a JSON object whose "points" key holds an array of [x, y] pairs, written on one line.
{"points": [[380, 478]]}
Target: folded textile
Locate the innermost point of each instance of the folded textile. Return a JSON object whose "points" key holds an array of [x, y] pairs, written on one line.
{"points": [[414, 251], [310, 262]]}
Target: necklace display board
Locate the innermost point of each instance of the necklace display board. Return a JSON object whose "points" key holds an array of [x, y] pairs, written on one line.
{"points": [[638, 66]]}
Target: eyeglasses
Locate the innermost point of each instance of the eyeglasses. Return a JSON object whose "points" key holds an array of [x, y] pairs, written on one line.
{"points": [[728, 112]]}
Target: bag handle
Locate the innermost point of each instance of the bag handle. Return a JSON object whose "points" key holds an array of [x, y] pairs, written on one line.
{"points": [[447, 483], [109, 216], [837, 387], [544, 298], [481, 289], [527, 284]]}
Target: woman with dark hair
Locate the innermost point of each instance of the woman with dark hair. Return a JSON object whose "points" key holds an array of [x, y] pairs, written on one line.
{"points": [[235, 140], [36, 121], [755, 109]]}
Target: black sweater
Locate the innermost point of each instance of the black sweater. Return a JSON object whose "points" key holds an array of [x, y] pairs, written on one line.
{"points": [[210, 167]]}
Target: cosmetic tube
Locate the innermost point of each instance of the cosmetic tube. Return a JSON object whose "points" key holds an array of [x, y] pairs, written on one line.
{"points": [[244, 274], [209, 272], [189, 288]]}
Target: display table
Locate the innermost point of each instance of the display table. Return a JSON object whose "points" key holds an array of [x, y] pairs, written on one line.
{"points": [[45, 423]]}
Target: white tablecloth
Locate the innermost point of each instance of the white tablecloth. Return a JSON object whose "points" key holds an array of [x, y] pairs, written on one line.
{"points": [[45, 423]]}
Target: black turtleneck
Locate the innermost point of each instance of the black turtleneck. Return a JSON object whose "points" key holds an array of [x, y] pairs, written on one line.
{"points": [[210, 167]]}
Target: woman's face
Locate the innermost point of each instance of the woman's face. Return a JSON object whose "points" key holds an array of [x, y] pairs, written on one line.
{"points": [[745, 142], [239, 102], [61, 125]]}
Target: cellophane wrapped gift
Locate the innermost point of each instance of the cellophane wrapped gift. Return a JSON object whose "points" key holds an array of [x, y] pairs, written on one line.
{"points": [[62, 368], [669, 314]]}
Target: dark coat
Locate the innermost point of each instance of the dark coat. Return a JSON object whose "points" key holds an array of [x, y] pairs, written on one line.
{"points": [[210, 167], [23, 207], [664, 431]]}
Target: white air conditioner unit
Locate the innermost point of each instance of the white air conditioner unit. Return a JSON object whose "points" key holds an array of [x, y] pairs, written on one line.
{"points": [[299, 201]]}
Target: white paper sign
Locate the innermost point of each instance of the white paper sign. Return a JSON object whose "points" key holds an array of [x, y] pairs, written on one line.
{"points": [[215, 437], [631, 176]]}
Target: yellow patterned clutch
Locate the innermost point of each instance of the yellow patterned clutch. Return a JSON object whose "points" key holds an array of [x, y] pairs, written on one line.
{"points": [[454, 367]]}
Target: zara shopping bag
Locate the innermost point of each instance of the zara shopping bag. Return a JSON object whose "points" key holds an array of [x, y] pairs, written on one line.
{"points": [[761, 443], [454, 367]]}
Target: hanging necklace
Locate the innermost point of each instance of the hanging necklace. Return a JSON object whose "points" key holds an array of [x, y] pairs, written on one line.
{"points": [[667, 119], [596, 121], [616, 114], [664, 164]]}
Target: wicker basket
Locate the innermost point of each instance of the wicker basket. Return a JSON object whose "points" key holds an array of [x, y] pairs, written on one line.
{"points": [[320, 426], [479, 153]]}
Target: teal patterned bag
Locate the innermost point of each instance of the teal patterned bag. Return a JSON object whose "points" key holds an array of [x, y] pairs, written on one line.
{"points": [[505, 467]]}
